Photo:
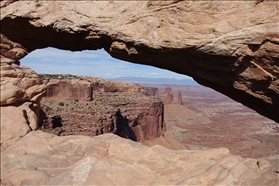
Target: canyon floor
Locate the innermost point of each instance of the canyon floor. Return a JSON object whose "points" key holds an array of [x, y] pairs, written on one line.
{"points": [[209, 119]]}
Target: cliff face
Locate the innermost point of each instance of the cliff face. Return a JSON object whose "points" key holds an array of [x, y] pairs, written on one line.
{"points": [[150, 123], [231, 47], [69, 89], [130, 115], [83, 88]]}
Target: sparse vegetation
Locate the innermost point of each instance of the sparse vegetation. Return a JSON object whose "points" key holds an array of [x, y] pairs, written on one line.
{"points": [[61, 104], [63, 76]]}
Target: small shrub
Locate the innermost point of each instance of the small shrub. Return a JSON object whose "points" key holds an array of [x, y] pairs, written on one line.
{"points": [[61, 104], [46, 108]]}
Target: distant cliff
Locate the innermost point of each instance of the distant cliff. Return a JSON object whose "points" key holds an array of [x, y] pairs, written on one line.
{"points": [[83, 88], [93, 106]]}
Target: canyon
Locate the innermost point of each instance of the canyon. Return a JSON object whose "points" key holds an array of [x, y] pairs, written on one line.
{"points": [[228, 46], [92, 106], [208, 119]]}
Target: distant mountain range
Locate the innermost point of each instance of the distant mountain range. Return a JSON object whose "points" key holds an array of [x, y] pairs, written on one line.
{"points": [[170, 81]]}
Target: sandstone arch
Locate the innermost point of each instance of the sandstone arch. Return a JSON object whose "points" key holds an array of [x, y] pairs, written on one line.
{"points": [[231, 47]]}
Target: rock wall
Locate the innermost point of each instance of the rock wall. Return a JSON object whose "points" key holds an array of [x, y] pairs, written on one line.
{"points": [[134, 116], [231, 47], [21, 91], [150, 123], [83, 88], [73, 89]]}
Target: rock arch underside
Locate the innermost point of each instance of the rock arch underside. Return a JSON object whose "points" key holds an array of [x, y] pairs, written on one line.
{"points": [[228, 46], [232, 47]]}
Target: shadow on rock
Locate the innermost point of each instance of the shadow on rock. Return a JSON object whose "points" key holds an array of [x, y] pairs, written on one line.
{"points": [[56, 121], [123, 128]]}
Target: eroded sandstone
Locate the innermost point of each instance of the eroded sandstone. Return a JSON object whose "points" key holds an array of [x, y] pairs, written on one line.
{"points": [[231, 47], [21, 91], [93, 106]]}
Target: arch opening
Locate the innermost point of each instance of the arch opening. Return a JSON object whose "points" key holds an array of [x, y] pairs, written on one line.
{"points": [[202, 113]]}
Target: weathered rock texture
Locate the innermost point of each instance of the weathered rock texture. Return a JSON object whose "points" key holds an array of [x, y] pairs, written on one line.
{"points": [[231, 47], [69, 89], [44, 159], [21, 91], [114, 107], [83, 88], [18, 83]]}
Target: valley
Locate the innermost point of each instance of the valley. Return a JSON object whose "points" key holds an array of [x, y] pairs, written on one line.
{"points": [[200, 119], [209, 119]]}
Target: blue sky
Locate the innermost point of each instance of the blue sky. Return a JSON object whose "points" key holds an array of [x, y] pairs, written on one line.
{"points": [[90, 63]]}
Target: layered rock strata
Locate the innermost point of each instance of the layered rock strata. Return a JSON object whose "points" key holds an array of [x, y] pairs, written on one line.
{"points": [[134, 116], [83, 88], [231, 47]]}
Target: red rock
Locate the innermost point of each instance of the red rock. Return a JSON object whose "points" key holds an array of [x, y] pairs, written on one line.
{"points": [[151, 91], [179, 99], [236, 55], [169, 98]]}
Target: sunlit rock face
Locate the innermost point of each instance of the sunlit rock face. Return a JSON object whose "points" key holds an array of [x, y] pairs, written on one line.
{"points": [[115, 107], [21, 91], [231, 47]]}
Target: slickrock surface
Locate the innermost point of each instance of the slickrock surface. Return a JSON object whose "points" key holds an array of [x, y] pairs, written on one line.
{"points": [[229, 46], [40, 158]]}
